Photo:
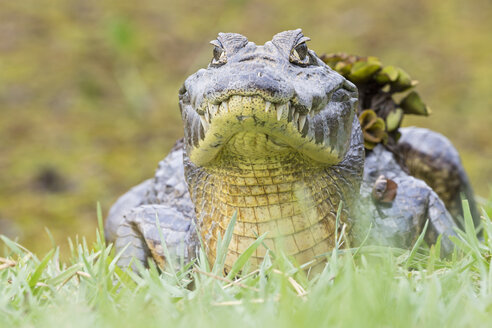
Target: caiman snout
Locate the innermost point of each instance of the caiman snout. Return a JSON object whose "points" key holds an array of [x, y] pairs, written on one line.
{"points": [[248, 79]]}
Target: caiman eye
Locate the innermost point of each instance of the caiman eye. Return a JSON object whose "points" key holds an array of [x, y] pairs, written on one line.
{"points": [[301, 51], [220, 57], [300, 55]]}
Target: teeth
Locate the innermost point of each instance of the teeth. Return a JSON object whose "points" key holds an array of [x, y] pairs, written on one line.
{"points": [[302, 121], [213, 110], [280, 110], [224, 107], [204, 123], [296, 119]]}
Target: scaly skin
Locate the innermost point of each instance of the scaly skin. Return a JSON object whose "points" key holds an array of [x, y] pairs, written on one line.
{"points": [[400, 222], [288, 197], [431, 157], [270, 133]]}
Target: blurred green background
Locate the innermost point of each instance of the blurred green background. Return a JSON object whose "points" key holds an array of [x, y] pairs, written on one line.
{"points": [[88, 88]]}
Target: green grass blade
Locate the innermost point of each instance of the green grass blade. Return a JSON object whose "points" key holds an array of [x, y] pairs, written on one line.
{"points": [[416, 246], [14, 247], [471, 233], [65, 274], [100, 224], [39, 270], [337, 224], [244, 257], [223, 245]]}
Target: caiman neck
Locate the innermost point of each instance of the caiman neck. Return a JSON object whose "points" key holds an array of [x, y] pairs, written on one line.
{"points": [[274, 190]]}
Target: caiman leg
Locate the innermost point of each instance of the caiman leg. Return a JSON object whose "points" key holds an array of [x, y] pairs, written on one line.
{"points": [[399, 221], [162, 202], [125, 203], [431, 157], [440, 223], [139, 233]]}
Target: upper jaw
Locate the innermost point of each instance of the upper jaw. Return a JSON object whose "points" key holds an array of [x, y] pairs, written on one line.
{"points": [[286, 110], [292, 109]]}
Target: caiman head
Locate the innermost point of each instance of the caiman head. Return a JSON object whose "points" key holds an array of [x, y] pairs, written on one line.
{"points": [[271, 134]]}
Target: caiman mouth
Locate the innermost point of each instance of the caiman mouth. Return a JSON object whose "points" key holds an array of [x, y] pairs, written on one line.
{"points": [[283, 123], [256, 109]]}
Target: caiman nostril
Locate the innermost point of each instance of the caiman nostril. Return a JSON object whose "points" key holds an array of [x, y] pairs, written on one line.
{"points": [[257, 59]]}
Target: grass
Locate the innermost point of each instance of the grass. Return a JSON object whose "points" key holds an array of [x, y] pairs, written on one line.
{"points": [[364, 287]]}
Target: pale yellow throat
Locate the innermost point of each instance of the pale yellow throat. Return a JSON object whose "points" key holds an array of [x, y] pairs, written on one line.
{"points": [[274, 190]]}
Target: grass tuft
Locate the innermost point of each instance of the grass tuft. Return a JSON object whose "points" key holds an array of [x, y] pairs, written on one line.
{"points": [[367, 286]]}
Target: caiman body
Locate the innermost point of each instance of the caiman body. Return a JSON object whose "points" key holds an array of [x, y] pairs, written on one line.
{"points": [[272, 133]]}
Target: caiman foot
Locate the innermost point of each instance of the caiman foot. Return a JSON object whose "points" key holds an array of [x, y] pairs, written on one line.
{"points": [[143, 228]]}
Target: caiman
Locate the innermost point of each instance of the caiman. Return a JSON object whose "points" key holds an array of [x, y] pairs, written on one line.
{"points": [[272, 134]]}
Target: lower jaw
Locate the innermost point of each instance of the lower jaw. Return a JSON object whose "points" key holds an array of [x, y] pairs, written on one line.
{"points": [[281, 194]]}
